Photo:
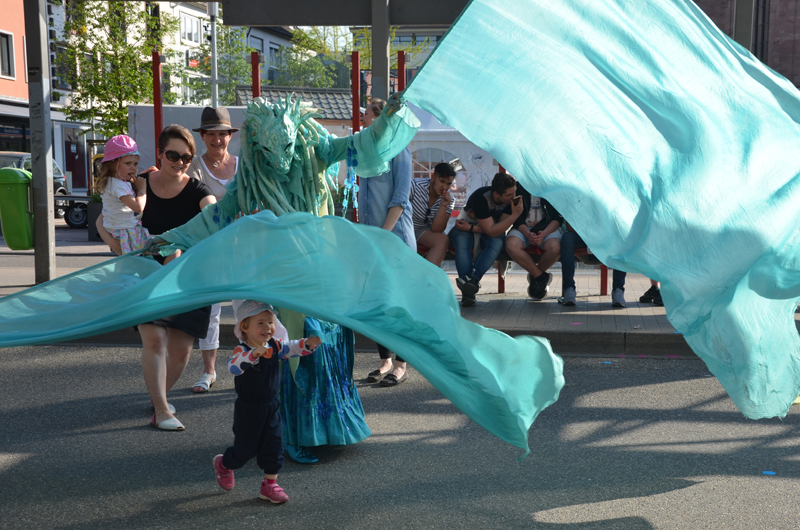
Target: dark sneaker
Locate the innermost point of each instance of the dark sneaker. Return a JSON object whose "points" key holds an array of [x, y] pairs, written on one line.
{"points": [[539, 287], [468, 286], [647, 297], [617, 298], [657, 298], [467, 300]]}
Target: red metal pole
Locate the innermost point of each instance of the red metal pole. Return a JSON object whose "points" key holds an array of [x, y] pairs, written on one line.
{"points": [[401, 71], [158, 109], [255, 60], [356, 87]]}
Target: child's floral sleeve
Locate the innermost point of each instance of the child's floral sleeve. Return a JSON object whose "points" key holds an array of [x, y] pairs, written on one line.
{"points": [[242, 360], [294, 348]]}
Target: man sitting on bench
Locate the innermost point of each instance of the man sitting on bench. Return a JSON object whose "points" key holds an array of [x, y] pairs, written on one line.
{"points": [[489, 212], [537, 226]]}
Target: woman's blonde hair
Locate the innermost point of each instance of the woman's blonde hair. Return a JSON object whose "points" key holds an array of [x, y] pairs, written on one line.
{"points": [[376, 104], [107, 170]]}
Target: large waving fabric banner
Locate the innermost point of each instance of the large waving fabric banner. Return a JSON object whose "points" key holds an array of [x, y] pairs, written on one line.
{"points": [[361, 277], [670, 149]]}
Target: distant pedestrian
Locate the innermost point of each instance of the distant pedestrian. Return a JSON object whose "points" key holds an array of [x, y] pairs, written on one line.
{"points": [[257, 423], [124, 195]]}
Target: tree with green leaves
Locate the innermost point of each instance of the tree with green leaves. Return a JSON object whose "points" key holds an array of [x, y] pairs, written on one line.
{"points": [[303, 64], [362, 43], [233, 66], [105, 56]]}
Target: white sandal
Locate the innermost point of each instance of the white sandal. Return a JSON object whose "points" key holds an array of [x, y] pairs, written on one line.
{"points": [[206, 381], [170, 407]]}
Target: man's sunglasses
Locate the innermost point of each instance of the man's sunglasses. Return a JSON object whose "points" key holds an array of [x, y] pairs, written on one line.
{"points": [[172, 156]]}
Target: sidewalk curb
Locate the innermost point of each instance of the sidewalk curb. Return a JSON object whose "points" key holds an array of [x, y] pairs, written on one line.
{"points": [[614, 343]]}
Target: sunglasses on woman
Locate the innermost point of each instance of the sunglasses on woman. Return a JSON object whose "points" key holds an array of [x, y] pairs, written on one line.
{"points": [[172, 156]]}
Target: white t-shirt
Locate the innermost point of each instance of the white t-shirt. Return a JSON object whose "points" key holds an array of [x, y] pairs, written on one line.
{"points": [[199, 170], [115, 214]]}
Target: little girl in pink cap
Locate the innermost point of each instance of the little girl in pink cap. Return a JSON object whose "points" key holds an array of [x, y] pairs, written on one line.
{"points": [[123, 193]]}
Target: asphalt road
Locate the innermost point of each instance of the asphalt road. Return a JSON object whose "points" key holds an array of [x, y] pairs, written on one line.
{"points": [[631, 444]]}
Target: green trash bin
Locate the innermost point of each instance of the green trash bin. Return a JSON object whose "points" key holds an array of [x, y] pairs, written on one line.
{"points": [[16, 208]]}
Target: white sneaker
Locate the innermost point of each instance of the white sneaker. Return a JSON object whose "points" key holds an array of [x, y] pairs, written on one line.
{"points": [[569, 297], [617, 298]]}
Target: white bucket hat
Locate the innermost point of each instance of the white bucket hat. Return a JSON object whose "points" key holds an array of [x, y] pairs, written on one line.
{"points": [[248, 308]]}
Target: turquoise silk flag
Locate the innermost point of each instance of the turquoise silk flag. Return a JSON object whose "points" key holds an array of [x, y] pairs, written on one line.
{"points": [[668, 147], [359, 276]]}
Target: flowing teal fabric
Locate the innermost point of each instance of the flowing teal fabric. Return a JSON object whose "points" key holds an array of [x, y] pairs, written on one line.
{"points": [[361, 277], [669, 148]]}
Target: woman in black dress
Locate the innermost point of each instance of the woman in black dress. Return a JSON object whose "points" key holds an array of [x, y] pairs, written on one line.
{"points": [[173, 198]]}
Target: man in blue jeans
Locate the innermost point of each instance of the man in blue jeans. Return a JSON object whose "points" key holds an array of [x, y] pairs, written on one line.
{"points": [[569, 242], [490, 211]]}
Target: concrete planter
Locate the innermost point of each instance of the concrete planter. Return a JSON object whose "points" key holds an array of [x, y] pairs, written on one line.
{"points": [[95, 209]]}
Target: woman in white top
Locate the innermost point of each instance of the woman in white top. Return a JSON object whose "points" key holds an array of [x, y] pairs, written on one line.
{"points": [[215, 168]]}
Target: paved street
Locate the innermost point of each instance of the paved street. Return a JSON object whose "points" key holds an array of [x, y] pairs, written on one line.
{"points": [[631, 444], [642, 436]]}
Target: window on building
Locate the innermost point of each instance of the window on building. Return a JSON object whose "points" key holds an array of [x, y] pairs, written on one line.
{"points": [[258, 44], [274, 56], [190, 28], [403, 40], [187, 94], [6, 55], [63, 72]]}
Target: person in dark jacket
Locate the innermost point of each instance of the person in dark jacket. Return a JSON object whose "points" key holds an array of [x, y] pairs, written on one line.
{"points": [[539, 226]]}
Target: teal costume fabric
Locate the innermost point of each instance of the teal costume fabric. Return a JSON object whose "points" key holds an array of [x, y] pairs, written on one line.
{"points": [[670, 149], [319, 403], [327, 268]]}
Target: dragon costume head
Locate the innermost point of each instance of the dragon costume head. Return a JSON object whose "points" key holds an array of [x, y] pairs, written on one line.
{"points": [[280, 168], [274, 128]]}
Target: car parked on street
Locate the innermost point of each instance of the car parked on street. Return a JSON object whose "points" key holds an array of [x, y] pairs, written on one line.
{"points": [[20, 160]]}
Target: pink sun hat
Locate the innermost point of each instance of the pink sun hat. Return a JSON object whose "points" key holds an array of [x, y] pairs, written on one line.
{"points": [[120, 146]]}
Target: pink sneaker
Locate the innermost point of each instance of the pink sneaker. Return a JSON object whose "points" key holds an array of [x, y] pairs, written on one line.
{"points": [[273, 493], [225, 477]]}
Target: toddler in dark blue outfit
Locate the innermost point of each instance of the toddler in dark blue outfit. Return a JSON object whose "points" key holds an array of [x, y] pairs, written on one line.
{"points": [[257, 426]]}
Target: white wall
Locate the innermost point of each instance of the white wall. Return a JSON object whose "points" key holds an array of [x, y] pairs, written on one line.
{"points": [[141, 129]]}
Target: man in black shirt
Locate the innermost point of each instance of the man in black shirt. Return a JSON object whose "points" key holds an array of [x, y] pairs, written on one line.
{"points": [[489, 212]]}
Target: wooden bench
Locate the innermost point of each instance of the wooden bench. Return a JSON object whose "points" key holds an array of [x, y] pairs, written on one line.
{"points": [[504, 261]]}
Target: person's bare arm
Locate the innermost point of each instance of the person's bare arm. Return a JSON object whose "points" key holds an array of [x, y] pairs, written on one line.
{"points": [[134, 203], [208, 199], [551, 227], [439, 222], [391, 218], [492, 229]]}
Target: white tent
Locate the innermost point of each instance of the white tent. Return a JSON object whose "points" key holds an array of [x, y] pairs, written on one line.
{"points": [[436, 143]]}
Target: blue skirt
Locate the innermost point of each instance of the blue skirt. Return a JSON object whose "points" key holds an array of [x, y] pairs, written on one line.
{"points": [[321, 405]]}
